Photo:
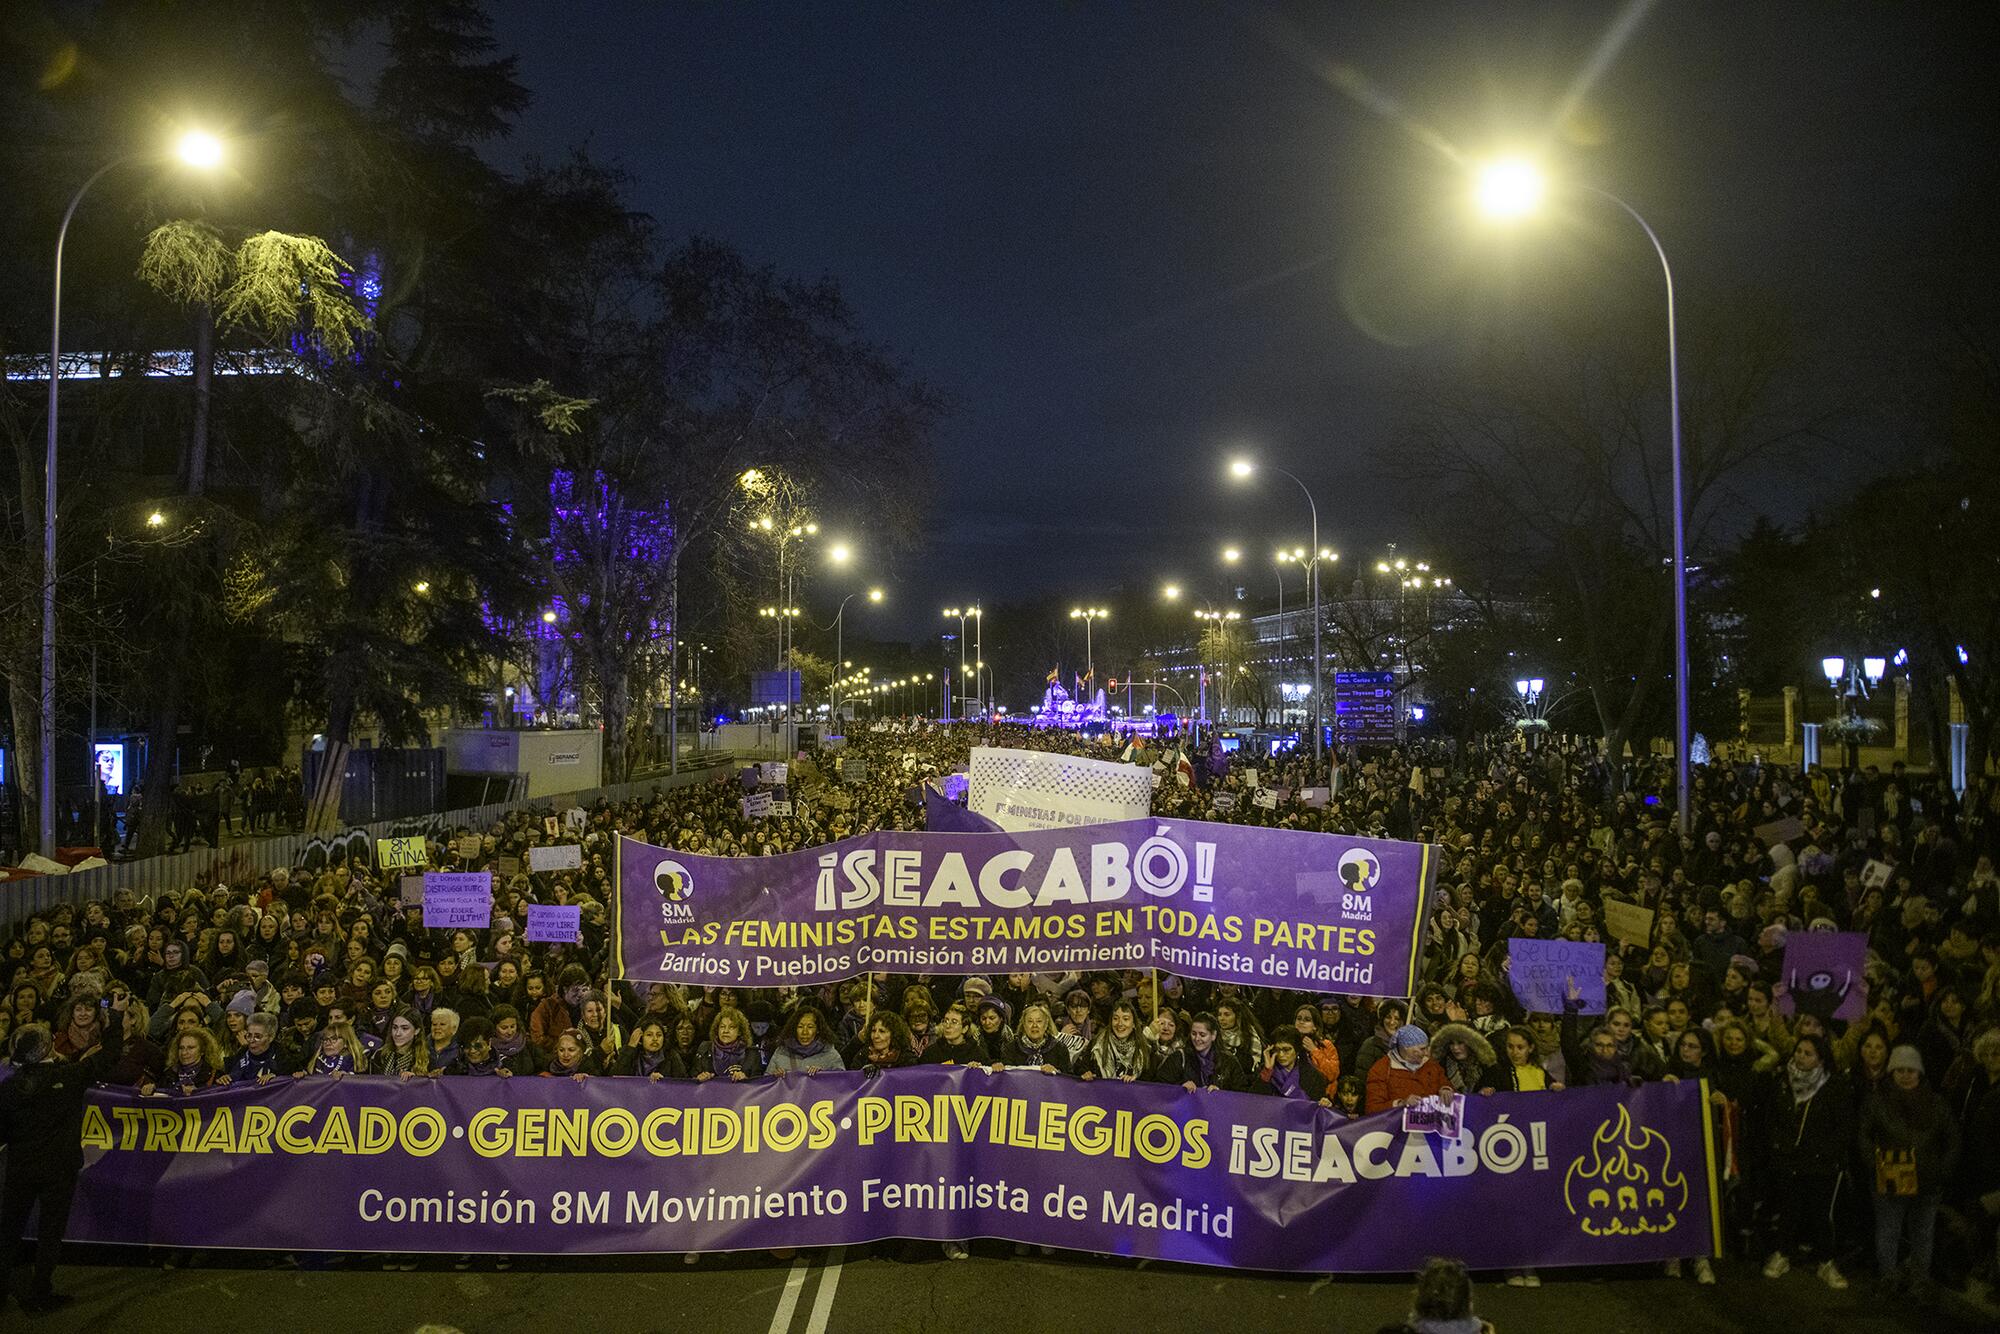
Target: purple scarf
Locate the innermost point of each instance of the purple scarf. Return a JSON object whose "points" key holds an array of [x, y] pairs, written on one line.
{"points": [[326, 1065], [1285, 1079], [720, 1058], [186, 1076], [1204, 1066]]}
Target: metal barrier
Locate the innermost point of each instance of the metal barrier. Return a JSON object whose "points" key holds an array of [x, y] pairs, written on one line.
{"points": [[22, 898]]}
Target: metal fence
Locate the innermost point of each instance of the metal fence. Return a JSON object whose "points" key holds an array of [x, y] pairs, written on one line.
{"points": [[22, 898]]}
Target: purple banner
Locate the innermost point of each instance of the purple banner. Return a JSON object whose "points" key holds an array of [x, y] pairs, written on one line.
{"points": [[1602, 1175], [555, 923], [1263, 907]]}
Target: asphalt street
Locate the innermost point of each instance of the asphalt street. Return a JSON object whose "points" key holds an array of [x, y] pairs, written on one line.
{"points": [[882, 1289]]}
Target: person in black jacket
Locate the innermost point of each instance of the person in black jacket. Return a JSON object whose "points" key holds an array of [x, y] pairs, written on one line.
{"points": [[1036, 1046], [1286, 1076], [41, 1123], [1210, 1065], [954, 1044], [649, 1055], [1807, 1120]]}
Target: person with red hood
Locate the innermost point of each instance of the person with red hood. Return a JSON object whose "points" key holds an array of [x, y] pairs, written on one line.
{"points": [[1406, 1074]]}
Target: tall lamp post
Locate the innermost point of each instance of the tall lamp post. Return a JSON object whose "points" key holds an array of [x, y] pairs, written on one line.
{"points": [[1242, 469], [833, 703], [195, 149], [1087, 615], [969, 612], [1514, 188]]}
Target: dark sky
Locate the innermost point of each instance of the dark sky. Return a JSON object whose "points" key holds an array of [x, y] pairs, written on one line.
{"points": [[1126, 237]]}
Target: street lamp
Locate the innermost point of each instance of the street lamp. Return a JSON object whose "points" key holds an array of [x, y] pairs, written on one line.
{"points": [[1087, 615], [833, 701], [1242, 469], [1513, 188], [969, 612], [203, 152]]}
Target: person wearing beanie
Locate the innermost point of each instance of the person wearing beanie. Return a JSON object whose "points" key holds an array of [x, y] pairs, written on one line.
{"points": [[1908, 1131], [1807, 1119], [1406, 1074], [243, 1002]]}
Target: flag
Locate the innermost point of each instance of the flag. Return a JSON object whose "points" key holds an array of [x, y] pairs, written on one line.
{"points": [[1054, 676], [1182, 769]]}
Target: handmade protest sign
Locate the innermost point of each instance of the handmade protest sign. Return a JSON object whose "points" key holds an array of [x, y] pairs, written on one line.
{"points": [[1875, 875], [554, 923], [1265, 799], [1628, 922], [1270, 907], [467, 847], [410, 891], [508, 867], [1541, 972], [1432, 1115], [1605, 1175], [757, 806], [1032, 789], [560, 857], [1824, 974], [1782, 830], [399, 854], [455, 899], [773, 772]]}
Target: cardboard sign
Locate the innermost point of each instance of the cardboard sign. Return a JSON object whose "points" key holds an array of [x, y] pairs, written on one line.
{"points": [[1315, 797], [1781, 831], [854, 771], [562, 857], [757, 806], [576, 819], [454, 899], [1265, 799], [509, 867], [1225, 801], [1250, 779], [1600, 838], [412, 891], [773, 772], [554, 923], [401, 854], [783, 808], [1628, 922], [467, 846], [1541, 971], [1875, 875], [550, 825]]}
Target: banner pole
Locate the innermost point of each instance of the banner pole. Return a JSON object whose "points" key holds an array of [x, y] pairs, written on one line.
{"points": [[1156, 996]]}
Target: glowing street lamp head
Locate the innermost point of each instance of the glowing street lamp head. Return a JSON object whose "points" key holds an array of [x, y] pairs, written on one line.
{"points": [[198, 148], [155, 519], [1232, 555], [1171, 592], [1510, 188], [548, 618], [1241, 468], [839, 553], [874, 595]]}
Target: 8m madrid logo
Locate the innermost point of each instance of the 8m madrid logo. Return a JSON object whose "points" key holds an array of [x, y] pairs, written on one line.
{"points": [[675, 884]]}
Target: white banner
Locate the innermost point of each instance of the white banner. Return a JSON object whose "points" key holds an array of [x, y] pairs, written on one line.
{"points": [[561, 857], [1031, 789]]}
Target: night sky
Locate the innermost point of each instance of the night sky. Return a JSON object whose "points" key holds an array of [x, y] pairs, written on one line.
{"points": [[1126, 238]]}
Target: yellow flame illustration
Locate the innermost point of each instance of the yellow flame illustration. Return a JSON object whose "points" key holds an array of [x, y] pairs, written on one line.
{"points": [[1629, 1186]]}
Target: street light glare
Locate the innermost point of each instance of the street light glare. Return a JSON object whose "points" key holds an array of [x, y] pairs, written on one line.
{"points": [[1510, 188], [1171, 592], [874, 595], [200, 149], [839, 553], [548, 618], [1241, 467], [155, 519]]}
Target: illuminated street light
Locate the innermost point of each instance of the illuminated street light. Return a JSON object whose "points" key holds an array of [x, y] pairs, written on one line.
{"points": [[196, 149], [1512, 188], [1088, 615], [1242, 469], [1231, 555], [839, 553], [155, 519], [548, 618], [1171, 592]]}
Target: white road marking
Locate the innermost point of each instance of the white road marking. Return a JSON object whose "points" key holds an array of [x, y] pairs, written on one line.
{"points": [[788, 1300], [829, 1284]]}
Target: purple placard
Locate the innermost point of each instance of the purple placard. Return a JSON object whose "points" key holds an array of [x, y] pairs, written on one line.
{"points": [[1222, 902], [454, 899], [1541, 971], [555, 923], [1592, 1176], [1824, 974]]}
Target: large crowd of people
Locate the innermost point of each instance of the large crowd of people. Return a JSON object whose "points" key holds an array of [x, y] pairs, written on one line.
{"points": [[1845, 1145]]}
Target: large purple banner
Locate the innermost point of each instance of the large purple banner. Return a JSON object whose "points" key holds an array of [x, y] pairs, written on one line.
{"points": [[1263, 907], [542, 1166]]}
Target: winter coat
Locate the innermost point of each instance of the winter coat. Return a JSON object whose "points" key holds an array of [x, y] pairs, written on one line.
{"points": [[1182, 1066], [1918, 1120], [1478, 1050], [1312, 1084], [1807, 1138], [1389, 1083]]}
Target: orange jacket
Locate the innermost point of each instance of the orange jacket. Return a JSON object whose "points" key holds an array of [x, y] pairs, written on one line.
{"points": [[1389, 1083]]}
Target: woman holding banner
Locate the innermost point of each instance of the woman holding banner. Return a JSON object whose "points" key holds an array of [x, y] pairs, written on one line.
{"points": [[650, 1055], [1285, 1076], [1035, 1045], [1121, 1051], [802, 1046]]}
